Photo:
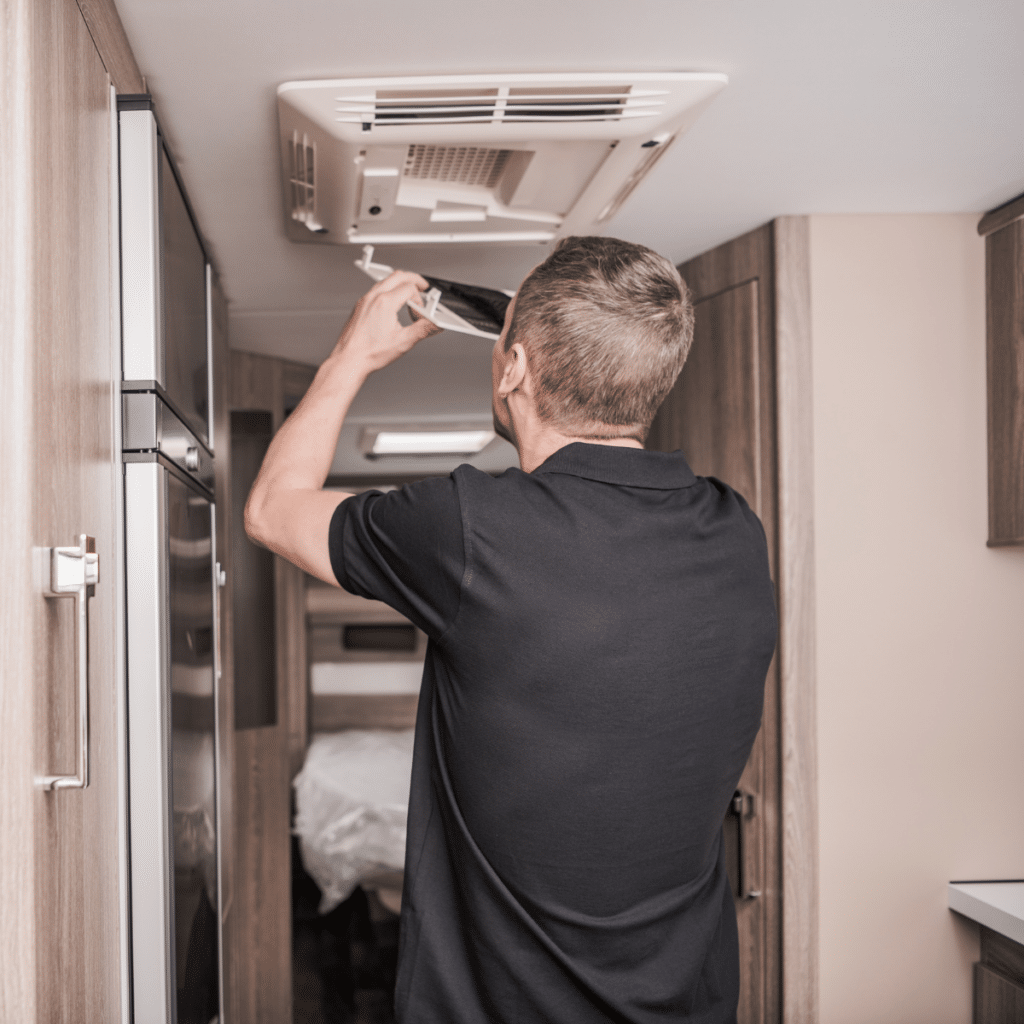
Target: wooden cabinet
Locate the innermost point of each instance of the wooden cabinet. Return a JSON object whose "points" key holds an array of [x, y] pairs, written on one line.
{"points": [[999, 980], [1004, 276], [62, 872], [741, 411]]}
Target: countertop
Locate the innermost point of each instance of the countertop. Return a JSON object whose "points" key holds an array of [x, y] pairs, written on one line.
{"points": [[996, 905]]}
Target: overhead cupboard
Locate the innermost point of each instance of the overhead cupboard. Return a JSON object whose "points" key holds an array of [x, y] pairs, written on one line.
{"points": [[1003, 230]]}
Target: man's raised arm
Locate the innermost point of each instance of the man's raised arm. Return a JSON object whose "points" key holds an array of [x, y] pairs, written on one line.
{"points": [[288, 511]]}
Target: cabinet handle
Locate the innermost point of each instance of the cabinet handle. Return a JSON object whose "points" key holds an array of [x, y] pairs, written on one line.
{"points": [[74, 572], [744, 806]]}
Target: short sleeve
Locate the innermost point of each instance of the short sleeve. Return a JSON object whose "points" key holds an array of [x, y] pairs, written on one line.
{"points": [[405, 548]]}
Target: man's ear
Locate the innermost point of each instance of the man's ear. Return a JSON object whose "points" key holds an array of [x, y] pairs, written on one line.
{"points": [[514, 373]]}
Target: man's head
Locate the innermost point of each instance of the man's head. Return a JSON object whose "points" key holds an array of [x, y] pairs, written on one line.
{"points": [[605, 326]]}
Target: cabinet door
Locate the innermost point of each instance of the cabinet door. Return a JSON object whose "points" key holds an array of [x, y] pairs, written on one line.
{"points": [[720, 413], [60, 874]]}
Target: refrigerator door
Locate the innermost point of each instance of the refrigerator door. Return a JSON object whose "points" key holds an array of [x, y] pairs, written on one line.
{"points": [[186, 344], [165, 281], [172, 745]]}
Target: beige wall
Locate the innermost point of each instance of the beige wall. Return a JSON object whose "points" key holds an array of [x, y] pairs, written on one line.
{"points": [[920, 626]]}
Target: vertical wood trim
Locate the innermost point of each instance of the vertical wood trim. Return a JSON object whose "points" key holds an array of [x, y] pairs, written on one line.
{"points": [[261, 928], [295, 381], [17, 657], [108, 35], [797, 622], [1004, 315], [296, 681]]}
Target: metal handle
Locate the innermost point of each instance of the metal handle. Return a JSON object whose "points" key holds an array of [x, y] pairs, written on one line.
{"points": [[74, 572], [740, 803]]}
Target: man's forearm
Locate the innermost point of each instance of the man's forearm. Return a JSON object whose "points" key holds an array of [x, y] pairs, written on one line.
{"points": [[301, 453], [288, 511]]}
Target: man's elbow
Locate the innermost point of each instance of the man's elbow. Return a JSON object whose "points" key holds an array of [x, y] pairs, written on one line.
{"points": [[256, 518]]}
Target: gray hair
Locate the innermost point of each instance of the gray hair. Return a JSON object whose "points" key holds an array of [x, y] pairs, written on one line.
{"points": [[606, 326]]}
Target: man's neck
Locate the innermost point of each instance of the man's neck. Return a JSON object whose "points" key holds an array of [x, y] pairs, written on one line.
{"points": [[542, 443]]}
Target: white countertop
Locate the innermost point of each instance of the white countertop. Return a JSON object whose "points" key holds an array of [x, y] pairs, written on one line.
{"points": [[996, 905]]}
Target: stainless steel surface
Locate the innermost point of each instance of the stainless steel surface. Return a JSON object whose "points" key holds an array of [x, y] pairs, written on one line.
{"points": [[142, 294], [186, 341], [151, 425], [165, 311], [171, 681], [170, 587], [209, 354], [74, 573], [149, 753], [744, 806], [193, 752]]}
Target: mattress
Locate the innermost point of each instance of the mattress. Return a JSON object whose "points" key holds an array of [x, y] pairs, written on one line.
{"points": [[351, 810]]}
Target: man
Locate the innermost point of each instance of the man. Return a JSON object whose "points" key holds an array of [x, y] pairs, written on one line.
{"points": [[600, 622]]}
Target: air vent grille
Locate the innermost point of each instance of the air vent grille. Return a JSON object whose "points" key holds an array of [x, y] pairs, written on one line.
{"points": [[467, 165], [302, 181], [559, 104]]}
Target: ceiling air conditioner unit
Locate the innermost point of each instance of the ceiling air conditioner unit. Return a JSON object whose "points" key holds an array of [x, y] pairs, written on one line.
{"points": [[475, 158]]}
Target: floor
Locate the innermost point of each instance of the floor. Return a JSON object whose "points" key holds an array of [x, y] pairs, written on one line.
{"points": [[343, 963]]}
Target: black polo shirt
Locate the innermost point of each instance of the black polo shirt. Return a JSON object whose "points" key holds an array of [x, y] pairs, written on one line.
{"points": [[600, 632]]}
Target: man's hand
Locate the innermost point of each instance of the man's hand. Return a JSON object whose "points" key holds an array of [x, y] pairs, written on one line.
{"points": [[373, 335], [288, 511]]}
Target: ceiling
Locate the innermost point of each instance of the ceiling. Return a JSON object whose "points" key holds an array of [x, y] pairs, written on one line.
{"points": [[873, 107]]}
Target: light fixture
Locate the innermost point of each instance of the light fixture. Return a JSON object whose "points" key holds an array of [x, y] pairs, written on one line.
{"points": [[381, 442]]}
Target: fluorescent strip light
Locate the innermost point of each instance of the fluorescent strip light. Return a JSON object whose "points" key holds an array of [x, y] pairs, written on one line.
{"points": [[431, 442]]}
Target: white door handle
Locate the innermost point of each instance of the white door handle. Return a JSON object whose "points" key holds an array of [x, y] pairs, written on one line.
{"points": [[74, 572]]}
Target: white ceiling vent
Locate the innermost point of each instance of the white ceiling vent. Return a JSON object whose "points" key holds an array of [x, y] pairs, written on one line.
{"points": [[475, 158]]}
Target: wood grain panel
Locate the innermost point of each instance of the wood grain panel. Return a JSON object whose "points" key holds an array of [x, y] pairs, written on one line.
{"points": [[60, 894], [77, 473], [334, 711], [18, 595], [108, 34], [797, 602], [1004, 272], [714, 415], [261, 927], [997, 1000], [714, 403], [1001, 216], [256, 384], [1002, 955], [743, 413]]}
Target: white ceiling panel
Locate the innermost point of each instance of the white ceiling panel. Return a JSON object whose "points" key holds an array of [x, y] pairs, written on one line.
{"points": [[830, 108]]}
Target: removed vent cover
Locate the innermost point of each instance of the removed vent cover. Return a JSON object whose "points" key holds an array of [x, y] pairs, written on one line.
{"points": [[475, 158]]}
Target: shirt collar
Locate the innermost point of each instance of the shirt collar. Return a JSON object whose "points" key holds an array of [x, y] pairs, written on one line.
{"points": [[630, 467]]}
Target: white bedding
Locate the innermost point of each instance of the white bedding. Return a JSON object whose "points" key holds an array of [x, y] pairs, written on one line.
{"points": [[352, 805]]}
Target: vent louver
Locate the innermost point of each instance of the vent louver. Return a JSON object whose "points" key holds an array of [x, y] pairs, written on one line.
{"points": [[559, 104], [302, 182], [467, 165]]}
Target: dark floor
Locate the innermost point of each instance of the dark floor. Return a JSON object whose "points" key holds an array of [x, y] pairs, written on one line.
{"points": [[343, 963]]}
